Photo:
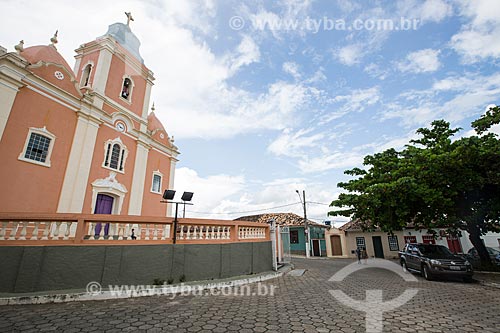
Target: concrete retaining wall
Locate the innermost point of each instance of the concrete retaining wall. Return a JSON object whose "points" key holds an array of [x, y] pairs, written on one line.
{"points": [[46, 268]]}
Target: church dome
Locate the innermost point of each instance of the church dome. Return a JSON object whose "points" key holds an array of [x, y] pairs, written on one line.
{"points": [[154, 124], [46, 54], [126, 38], [158, 132]]}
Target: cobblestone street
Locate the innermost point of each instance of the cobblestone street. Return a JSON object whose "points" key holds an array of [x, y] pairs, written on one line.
{"points": [[300, 303]]}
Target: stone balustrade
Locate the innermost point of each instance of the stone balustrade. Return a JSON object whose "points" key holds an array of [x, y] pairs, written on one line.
{"points": [[67, 229], [251, 232]]}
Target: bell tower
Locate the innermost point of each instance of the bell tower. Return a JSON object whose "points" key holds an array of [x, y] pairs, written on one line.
{"points": [[112, 69]]}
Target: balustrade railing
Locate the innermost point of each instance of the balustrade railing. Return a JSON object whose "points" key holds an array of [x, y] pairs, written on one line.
{"points": [[60, 229]]}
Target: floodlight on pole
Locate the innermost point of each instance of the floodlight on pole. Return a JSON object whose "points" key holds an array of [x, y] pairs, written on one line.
{"points": [[168, 197]]}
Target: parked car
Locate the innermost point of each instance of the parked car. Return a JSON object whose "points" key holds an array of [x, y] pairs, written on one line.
{"points": [[434, 260], [473, 257]]}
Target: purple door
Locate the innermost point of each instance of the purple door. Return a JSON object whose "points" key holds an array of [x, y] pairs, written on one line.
{"points": [[103, 205]]}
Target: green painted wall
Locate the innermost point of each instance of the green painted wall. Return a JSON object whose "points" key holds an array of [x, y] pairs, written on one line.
{"points": [[316, 233], [42, 268]]}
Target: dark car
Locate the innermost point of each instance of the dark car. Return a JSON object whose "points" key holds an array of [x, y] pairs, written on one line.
{"points": [[434, 260], [473, 257]]}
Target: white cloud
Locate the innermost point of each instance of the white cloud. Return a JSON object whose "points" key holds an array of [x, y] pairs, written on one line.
{"points": [[337, 160], [376, 71], [349, 55], [196, 14], [247, 52], [428, 11], [421, 61], [293, 144], [291, 68], [478, 39], [285, 19], [209, 191], [472, 93], [356, 101], [229, 197]]}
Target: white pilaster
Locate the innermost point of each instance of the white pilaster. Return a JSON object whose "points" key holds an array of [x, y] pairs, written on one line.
{"points": [[170, 184], [139, 177], [8, 94], [102, 71], [147, 95], [10, 82], [78, 169]]}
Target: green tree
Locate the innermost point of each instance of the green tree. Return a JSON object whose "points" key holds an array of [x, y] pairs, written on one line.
{"points": [[434, 182]]}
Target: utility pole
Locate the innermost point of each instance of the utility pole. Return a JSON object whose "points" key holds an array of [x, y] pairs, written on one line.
{"points": [[306, 225]]}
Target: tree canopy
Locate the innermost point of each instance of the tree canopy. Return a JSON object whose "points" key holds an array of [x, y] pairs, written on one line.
{"points": [[434, 182]]}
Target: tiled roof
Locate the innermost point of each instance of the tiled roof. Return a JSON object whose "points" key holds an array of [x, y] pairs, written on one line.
{"points": [[289, 219], [355, 225]]}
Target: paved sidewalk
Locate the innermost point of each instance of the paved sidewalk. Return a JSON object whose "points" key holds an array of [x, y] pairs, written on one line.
{"points": [[300, 303]]}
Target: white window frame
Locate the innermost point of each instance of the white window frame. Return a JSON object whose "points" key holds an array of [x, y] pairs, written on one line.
{"points": [[159, 174], [360, 242], [393, 243], [40, 131], [89, 84], [131, 89], [122, 158]]}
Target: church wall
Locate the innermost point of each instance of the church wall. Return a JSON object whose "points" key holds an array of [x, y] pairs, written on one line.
{"points": [[151, 205], [29, 187], [99, 172], [88, 58], [113, 90]]}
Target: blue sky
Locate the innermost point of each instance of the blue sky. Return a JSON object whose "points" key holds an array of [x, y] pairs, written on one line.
{"points": [[259, 110]]}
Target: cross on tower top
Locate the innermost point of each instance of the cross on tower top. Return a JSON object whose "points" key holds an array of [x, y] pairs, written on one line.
{"points": [[129, 17]]}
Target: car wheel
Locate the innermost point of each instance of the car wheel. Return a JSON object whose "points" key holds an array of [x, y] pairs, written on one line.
{"points": [[403, 264], [425, 272]]}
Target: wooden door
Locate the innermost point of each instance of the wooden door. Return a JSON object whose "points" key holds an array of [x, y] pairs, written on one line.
{"points": [[336, 245], [316, 249]]}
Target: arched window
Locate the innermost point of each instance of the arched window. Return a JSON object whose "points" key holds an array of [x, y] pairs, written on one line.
{"points": [[127, 89], [86, 75], [115, 155]]}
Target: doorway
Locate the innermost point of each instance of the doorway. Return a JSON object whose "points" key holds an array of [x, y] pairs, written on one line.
{"points": [[377, 247], [103, 205], [336, 245], [316, 248], [454, 244]]}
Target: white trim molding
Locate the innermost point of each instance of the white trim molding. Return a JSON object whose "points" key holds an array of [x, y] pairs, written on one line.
{"points": [[159, 174], [130, 88], [109, 186], [122, 155], [45, 133], [88, 84]]}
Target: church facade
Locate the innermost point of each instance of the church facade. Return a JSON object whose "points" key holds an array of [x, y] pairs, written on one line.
{"points": [[82, 140]]}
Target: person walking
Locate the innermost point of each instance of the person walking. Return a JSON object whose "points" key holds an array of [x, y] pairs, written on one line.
{"points": [[364, 254], [358, 254]]}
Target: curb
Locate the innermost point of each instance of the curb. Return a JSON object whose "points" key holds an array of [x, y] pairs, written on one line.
{"points": [[160, 291], [487, 272], [489, 284]]}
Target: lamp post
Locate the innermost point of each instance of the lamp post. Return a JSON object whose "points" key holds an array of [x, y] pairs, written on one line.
{"points": [[168, 197], [306, 225]]}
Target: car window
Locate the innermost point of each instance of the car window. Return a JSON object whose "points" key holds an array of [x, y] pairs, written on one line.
{"points": [[433, 249]]}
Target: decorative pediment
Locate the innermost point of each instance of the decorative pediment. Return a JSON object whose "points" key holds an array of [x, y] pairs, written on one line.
{"points": [[110, 183]]}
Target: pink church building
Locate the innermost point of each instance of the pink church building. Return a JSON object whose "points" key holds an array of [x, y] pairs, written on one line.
{"points": [[82, 140]]}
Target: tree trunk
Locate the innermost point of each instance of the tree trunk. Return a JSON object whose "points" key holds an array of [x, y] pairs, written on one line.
{"points": [[475, 238]]}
